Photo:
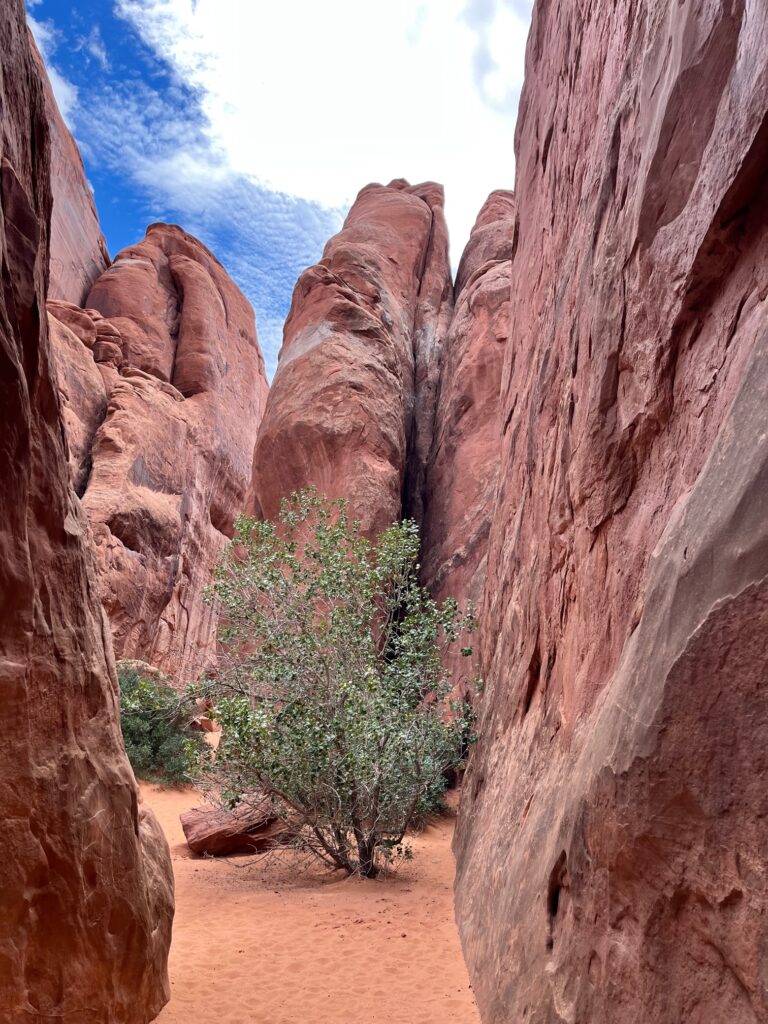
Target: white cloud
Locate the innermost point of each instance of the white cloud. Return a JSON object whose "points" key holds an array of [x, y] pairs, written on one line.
{"points": [[66, 95], [501, 27], [45, 35], [93, 44], [264, 238], [277, 114], [317, 99]]}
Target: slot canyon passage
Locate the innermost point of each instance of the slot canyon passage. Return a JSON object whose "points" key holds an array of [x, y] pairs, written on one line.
{"points": [[577, 419]]}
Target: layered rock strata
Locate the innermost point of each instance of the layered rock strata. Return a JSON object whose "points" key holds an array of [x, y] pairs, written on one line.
{"points": [[86, 897], [163, 388], [462, 469], [612, 832], [341, 406]]}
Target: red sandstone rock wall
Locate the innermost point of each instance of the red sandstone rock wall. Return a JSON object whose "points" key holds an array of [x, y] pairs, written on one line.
{"points": [[341, 406], [86, 897], [78, 252], [388, 395], [434, 313], [163, 388], [612, 837], [462, 470]]}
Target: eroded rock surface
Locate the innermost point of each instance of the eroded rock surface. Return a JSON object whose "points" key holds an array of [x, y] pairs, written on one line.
{"points": [[78, 252], [465, 442], [86, 898], [341, 406], [218, 832], [162, 400], [83, 397], [611, 845]]}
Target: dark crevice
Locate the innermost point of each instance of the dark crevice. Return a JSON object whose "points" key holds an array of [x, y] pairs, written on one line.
{"points": [[736, 320], [508, 418], [533, 677], [545, 147], [558, 883], [689, 119], [608, 186], [82, 486], [740, 219], [427, 380], [175, 327], [742, 216]]}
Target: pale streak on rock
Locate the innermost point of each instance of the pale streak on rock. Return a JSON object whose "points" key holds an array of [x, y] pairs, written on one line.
{"points": [[341, 406]]}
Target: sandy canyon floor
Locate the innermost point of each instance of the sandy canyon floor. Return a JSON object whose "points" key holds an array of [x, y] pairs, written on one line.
{"points": [[255, 942]]}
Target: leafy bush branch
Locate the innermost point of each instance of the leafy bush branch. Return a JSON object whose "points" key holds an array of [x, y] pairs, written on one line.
{"points": [[331, 692]]}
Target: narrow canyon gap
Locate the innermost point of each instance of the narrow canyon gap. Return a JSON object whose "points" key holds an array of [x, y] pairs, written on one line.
{"points": [[579, 424]]}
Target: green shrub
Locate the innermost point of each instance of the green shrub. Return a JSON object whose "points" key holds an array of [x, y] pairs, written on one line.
{"points": [[331, 690], [155, 721]]}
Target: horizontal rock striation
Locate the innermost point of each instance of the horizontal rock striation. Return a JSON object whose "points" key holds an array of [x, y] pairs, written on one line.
{"points": [[86, 899], [341, 406], [611, 840], [162, 401]]}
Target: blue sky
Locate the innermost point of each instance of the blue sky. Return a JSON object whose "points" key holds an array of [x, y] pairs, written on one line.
{"points": [[254, 124]]}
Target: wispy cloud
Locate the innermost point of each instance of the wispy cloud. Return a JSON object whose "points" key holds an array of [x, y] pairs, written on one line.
{"points": [[254, 125], [45, 36], [316, 100], [66, 94], [47, 40], [93, 45], [265, 238], [500, 28]]}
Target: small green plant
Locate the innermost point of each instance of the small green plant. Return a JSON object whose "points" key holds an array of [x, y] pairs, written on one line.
{"points": [[155, 720], [330, 689]]}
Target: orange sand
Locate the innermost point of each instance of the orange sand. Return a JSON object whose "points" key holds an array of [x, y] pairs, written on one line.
{"points": [[261, 944]]}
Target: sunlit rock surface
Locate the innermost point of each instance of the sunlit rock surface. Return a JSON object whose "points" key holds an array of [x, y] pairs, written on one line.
{"points": [[341, 406], [163, 465]]}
